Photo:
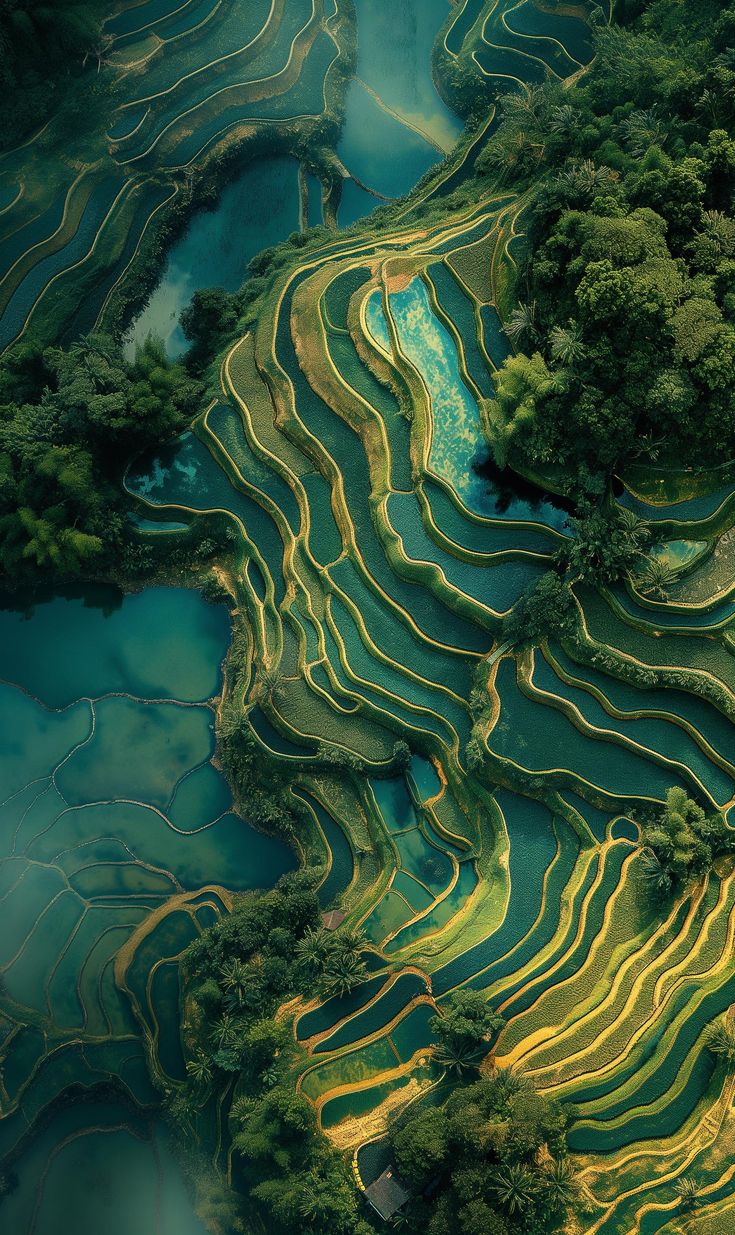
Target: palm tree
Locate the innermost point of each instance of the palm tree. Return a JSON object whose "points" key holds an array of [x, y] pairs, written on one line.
{"points": [[234, 979], [563, 120], [566, 344], [182, 1109], [511, 1082], [231, 718], [561, 1182], [404, 1220], [460, 1058], [316, 1203], [234, 973], [521, 324], [224, 1029], [199, 1070], [352, 940], [272, 683], [269, 1076], [523, 105], [687, 1190], [709, 105], [656, 577], [343, 973], [655, 874], [515, 1186], [720, 1040], [635, 530], [648, 445], [720, 230], [242, 1108], [582, 178], [314, 947], [641, 130]]}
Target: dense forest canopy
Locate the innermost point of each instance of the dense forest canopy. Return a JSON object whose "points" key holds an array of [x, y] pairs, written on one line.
{"points": [[625, 330], [44, 48]]}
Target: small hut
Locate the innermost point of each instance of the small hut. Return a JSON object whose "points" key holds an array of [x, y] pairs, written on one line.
{"points": [[387, 1194], [333, 919]]}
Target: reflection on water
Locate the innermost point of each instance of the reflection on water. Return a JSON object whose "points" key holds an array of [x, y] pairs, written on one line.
{"points": [[396, 123], [516, 497], [116, 835], [258, 209], [99, 1168]]}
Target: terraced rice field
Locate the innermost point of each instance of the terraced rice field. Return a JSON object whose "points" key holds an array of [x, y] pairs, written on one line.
{"points": [[376, 565], [190, 85], [515, 42]]}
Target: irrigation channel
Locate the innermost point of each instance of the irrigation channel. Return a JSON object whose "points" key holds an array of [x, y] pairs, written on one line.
{"points": [[374, 564]]}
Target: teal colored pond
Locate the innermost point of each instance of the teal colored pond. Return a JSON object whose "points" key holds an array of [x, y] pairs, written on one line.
{"points": [[424, 776], [156, 525], [457, 451], [111, 809], [100, 1167], [676, 554], [163, 643], [455, 430], [355, 203], [370, 137], [395, 44], [256, 210]]}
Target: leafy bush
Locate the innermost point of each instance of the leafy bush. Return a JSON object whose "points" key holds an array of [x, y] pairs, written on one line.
{"points": [[681, 842]]}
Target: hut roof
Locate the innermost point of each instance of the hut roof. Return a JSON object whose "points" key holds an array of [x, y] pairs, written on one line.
{"points": [[387, 1194]]}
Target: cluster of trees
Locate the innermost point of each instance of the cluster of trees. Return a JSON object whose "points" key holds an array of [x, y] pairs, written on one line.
{"points": [[259, 784], [608, 544], [490, 1161], [626, 339], [207, 322], [331, 961], [44, 49], [237, 974], [681, 842], [464, 1031], [70, 421], [546, 608]]}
